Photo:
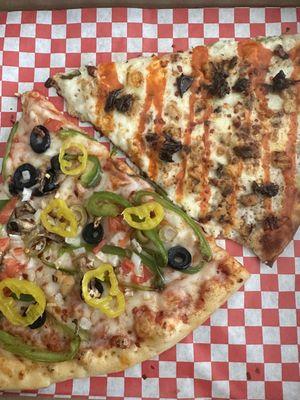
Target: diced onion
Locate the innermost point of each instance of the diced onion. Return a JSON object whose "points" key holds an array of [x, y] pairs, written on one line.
{"points": [[73, 241], [64, 261], [108, 258], [167, 233], [26, 194], [135, 244], [85, 323], [26, 175], [37, 215], [138, 268], [78, 252]]}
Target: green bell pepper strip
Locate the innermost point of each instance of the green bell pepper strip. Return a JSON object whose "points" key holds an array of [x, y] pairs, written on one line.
{"points": [[23, 297], [7, 150], [16, 346], [67, 133], [204, 246], [92, 174], [136, 287], [146, 258], [155, 239], [106, 204], [116, 251], [3, 203]]}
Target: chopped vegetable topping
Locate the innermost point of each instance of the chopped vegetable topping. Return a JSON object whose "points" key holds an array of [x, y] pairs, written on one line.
{"points": [[58, 218], [8, 303], [112, 304]]}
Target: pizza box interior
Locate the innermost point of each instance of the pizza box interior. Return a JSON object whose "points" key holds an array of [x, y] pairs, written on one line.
{"points": [[8, 5]]}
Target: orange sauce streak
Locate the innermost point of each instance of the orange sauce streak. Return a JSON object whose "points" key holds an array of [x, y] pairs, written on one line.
{"points": [[289, 174], [259, 57], [206, 192], [199, 59], [107, 82], [155, 88]]}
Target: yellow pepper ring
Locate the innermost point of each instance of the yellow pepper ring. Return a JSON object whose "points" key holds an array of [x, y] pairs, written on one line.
{"points": [[104, 303], [66, 165], [144, 217], [8, 304], [58, 218]]}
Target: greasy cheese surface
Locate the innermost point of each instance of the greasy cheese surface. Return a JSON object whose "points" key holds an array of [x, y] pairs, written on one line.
{"points": [[229, 137], [175, 303]]}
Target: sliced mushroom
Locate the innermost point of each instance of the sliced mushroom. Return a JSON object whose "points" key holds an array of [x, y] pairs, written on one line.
{"points": [[24, 208]]}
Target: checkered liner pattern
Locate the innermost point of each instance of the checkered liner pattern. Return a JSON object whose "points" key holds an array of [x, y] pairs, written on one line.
{"points": [[249, 348]]}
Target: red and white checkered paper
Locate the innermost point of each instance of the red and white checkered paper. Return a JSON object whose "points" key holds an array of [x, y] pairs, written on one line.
{"points": [[248, 349]]}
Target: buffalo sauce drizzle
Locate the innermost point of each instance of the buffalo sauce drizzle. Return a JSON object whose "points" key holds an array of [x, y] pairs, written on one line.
{"points": [[289, 174], [155, 88], [107, 82], [199, 60], [258, 57]]}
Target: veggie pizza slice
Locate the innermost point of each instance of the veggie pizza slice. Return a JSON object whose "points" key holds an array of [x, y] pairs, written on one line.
{"points": [[98, 271]]}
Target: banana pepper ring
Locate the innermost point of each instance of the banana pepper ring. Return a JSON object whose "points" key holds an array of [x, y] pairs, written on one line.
{"points": [[112, 304], [144, 217], [72, 158], [58, 218], [8, 303]]}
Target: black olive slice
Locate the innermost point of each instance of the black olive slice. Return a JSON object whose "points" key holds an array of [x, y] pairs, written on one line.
{"points": [[179, 258], [48, 183], [12, 227], [25, 176], [50, 82], [12, 188], [96, 287], [39, 322], [111, 100], [183, 83], [55, 163], [92, 234], [40, 139]]}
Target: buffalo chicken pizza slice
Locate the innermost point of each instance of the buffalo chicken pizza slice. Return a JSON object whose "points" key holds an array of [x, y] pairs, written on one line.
{"points": [[215, 127], [98, 271]]}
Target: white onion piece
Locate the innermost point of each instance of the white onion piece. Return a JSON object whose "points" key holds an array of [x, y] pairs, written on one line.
{"points": [[64, 261], [85, 323], [26, 194], [138, 268], [135, 244], [78, 252], [73, 241], [167, 233], [26, 175], [108, 258], [117, 237], [37, 215]]}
